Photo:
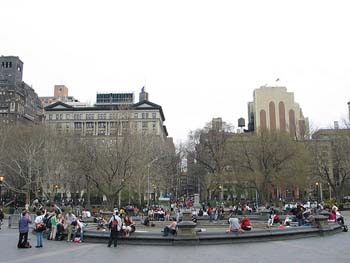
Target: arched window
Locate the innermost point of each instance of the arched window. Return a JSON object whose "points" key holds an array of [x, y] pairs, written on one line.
{"points": [[292, 128], [282, 115], [272, 115], [263, 119]]}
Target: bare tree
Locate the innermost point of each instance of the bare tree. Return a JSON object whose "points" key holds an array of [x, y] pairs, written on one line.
{"points": [[331, 159], [269, 158], [21, 161]]}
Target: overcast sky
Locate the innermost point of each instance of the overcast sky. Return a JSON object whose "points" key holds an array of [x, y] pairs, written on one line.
{"points": [[199, 59]]}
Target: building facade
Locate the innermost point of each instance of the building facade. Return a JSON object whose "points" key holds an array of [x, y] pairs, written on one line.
{"points": [[274, 108], [61, 94], [143, 117], [18, 101]]}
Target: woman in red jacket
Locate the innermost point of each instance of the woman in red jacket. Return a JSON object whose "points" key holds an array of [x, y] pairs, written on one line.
{"points": [[245, 223]]}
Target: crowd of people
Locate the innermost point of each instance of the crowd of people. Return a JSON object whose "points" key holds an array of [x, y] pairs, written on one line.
{"points": [[57, 224]]}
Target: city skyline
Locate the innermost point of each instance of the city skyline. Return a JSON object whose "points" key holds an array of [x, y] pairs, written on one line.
{"points": [[198, 60]]}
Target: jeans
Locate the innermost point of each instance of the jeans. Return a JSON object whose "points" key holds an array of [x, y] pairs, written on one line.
{"points": [[81, 234], [39, 239], [113, 236], [167, 230]]}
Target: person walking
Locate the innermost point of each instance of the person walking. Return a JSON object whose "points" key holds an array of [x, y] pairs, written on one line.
{"points": [[70, 218], [115, 224], [23, 226]]}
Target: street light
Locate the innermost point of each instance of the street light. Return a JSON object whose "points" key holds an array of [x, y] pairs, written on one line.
{"points": [[149, 166], [2, 178]]}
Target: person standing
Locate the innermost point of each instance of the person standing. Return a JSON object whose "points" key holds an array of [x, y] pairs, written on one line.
{"points": [[70, 218], [23, 227], [1, 216], [115, 224], [39, 228], [53, 226]]}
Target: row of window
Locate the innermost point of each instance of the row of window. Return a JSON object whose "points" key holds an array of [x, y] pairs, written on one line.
{"points": [[100, 116], [8, 64], [91, 125]]}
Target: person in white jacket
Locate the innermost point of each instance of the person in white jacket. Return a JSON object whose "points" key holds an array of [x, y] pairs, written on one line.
{"points": [[115, 224]]}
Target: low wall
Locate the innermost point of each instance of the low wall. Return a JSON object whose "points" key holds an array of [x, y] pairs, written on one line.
{"points": [[214, 238]]}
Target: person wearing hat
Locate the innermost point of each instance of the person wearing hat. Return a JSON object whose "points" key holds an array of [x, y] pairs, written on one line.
{"points": [[114, 224]]}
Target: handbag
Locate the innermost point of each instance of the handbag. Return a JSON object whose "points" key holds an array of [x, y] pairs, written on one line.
{"points": [[40, 227]]}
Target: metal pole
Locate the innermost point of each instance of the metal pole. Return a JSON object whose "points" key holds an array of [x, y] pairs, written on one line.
{"points": [[148, 185], [321, 192]]}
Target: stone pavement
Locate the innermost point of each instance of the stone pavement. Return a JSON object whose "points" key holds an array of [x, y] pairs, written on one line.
{"points": [[334, 248]]}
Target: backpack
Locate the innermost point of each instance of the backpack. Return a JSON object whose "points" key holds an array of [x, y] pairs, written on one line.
{"points": [[113, 225]]}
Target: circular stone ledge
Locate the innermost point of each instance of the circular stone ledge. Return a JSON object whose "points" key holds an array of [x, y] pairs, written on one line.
{"points": [[214, 238]]}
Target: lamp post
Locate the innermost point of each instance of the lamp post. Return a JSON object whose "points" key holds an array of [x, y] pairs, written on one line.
{"points": [[1, 181], [56, 189], [148, 183]]}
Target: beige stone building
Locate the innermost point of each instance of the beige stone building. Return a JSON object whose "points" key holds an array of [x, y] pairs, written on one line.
{"points": [[274, 108], [143, 117]]}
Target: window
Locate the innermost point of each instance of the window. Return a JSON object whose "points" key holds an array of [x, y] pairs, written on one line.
{"points": [[144, 125], [78, 116], [12, 106], [136, 115], [154, 115], [145, 115], [153, 125], [102, 116], [89, 125], [50, 117], [77, 125], [102, 125], [67, 116], [89, 116]]}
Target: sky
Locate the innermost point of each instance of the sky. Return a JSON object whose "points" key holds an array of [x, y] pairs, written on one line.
{"points": [[198, 59]]}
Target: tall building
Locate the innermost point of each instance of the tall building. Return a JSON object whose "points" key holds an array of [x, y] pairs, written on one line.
{"points": [[109, 117], [61, 94], [18, 101], [60, 91], [274, 108]]}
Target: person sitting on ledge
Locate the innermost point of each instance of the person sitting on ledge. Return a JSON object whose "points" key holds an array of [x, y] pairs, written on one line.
{"points": [[171, 228], [234, 224], [245, 223], [128, 226], [331, 216]]}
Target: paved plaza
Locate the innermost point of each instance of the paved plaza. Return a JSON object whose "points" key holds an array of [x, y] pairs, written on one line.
{"points": [[334, 248]]}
